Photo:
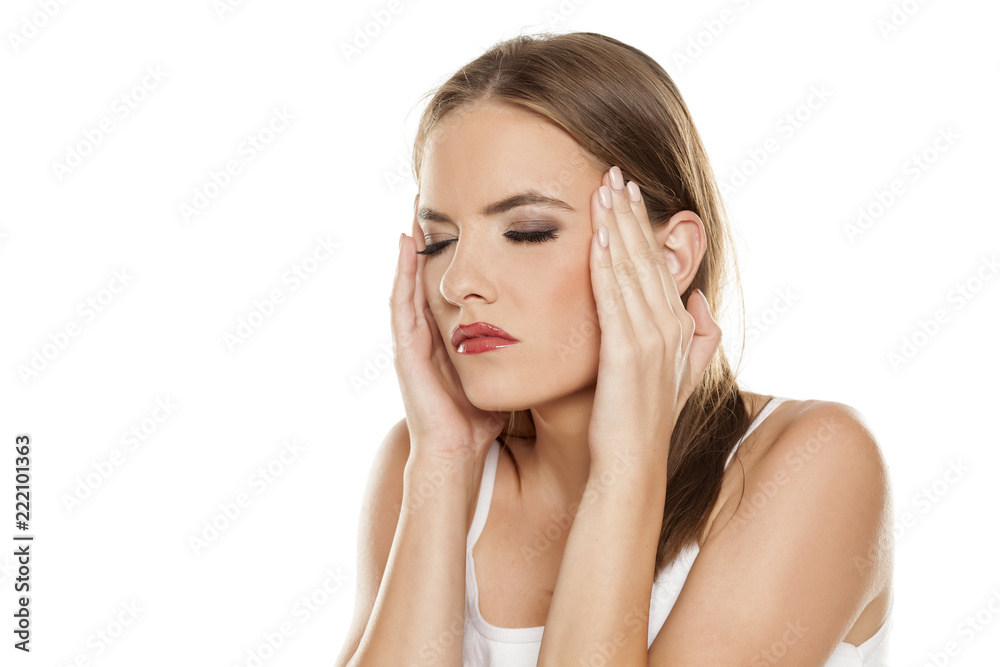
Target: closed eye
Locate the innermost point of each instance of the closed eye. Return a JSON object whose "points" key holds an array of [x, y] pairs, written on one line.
{"points": [[513, 236]]}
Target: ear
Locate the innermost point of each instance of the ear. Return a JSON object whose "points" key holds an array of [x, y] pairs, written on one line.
{"points": [[684, 243]]}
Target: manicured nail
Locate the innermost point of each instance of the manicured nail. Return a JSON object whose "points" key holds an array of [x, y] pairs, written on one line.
{"points": [[401, 235], [633, 191], [617, 181], [604, 193], [602, 237]]}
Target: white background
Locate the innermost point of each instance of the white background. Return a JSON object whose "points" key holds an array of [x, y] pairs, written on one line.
{"points": [[338, 172]]}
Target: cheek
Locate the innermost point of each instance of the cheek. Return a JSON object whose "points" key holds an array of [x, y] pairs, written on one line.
{"points": [[570, 313]]}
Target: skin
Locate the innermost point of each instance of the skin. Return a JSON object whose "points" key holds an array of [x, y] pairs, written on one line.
{"points": [[603, 413], [476, 157]]}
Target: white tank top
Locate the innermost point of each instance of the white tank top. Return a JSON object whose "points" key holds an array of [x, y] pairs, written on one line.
{"points": [[487, 645]]}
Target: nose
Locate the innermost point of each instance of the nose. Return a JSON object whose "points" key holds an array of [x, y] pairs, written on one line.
{"points": [[466, 278]]}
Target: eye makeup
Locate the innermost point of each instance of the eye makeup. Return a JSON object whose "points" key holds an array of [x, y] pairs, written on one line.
{"points": [[539, 236]]}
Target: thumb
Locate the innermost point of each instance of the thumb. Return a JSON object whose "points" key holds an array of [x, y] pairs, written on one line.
{"points": [[707, 334]]}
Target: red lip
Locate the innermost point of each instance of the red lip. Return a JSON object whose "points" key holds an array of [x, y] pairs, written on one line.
{"points": [[476, 330]]}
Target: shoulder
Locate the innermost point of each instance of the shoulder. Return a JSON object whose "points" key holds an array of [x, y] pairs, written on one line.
{"points": [[833, 435], [810, 542], [823, 469]]}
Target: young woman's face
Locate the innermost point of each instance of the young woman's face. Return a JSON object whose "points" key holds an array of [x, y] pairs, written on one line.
{"points": [[538, 292]]}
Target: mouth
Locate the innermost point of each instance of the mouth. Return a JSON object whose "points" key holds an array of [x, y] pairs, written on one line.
{"points": [[480, 337]]}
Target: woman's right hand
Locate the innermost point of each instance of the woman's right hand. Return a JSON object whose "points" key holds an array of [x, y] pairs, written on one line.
{"points": [[441, 420]]}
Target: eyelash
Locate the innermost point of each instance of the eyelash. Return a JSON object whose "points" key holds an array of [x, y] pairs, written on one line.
{"points": [[516, 237]]}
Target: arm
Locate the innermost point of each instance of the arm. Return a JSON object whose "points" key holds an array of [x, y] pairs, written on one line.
{"points": [[411, 561], [600, 606], [781, 583], [793, 572]]}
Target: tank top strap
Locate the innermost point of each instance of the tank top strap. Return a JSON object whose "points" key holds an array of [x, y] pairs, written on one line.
{"points": [[485, 496], [764, 413]]}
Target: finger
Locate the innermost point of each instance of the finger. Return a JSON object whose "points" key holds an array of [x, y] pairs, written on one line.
{"points": [[625, 208], [667, 284], [667, 277], [438, 338], [403, 317], [707, 336], [612, 314], [641, 215], [635, 268]]}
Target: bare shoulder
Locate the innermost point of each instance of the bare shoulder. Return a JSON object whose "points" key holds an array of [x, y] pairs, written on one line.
{"points": [[811, 540], [380, 509], [833, 432], [824, 454]]}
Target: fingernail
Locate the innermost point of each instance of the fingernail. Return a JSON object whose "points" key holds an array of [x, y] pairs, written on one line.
{"points": [[604, 193], [401, 235], [617, 182], [602, 237], [633, 191]]}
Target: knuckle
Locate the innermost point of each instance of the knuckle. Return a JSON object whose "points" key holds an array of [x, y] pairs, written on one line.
{"points": [[625, 269]]}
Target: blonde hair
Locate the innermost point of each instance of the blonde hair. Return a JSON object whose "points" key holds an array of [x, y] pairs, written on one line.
{"points": [[622, 107]]}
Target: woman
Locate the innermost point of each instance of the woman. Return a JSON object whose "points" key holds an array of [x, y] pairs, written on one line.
{"points": [[555, 301]]}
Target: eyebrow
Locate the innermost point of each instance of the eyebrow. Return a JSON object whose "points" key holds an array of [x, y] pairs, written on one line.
{"points": [[525, 198]]}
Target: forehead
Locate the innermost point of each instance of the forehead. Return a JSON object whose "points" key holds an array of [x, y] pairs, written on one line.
{"points": [[495, 148]]}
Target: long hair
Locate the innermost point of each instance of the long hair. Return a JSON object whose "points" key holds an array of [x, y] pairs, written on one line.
{"points": [[622, 107]]}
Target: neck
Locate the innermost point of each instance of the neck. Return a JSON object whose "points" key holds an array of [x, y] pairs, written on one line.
{"points": [[558, 464]]}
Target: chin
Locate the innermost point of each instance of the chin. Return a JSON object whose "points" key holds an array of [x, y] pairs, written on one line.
{"points": [[493, 392], [491, 400]]}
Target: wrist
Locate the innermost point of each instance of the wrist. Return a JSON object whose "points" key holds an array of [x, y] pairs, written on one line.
{"points": [[433, 475], [633, 462]]}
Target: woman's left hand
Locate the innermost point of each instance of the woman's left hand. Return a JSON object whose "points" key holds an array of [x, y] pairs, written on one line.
{"points": [[653, 350]]}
